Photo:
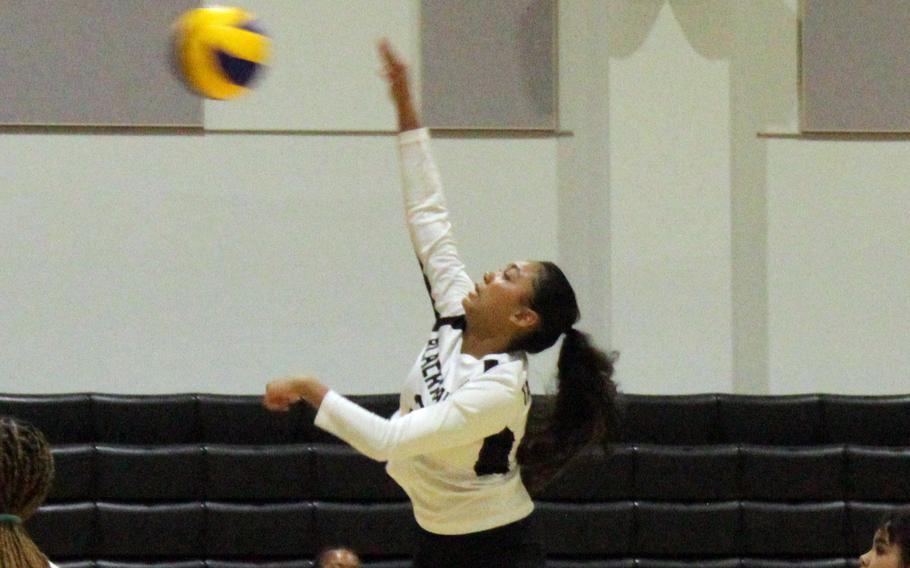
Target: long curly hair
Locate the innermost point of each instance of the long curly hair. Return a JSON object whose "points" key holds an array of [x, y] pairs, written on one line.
{"points": [[584, 409]]}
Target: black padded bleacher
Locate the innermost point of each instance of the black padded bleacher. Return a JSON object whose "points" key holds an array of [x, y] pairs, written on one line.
{"points": [[712, 480]]}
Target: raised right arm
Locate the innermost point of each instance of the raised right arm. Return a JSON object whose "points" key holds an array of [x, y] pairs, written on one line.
{"points": [[396, 73], [424, 202]]}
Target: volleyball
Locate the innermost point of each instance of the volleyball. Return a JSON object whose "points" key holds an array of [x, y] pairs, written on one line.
{"points": [[219, 51]]}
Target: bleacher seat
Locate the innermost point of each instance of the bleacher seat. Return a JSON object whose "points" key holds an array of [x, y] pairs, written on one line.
{"points": [[717, 481], [65, 530], [150, 419], [686, 530], [263, 473], [790, 474], [149, 474], [794, 420], [867, 420], [343, 474], [671, 420], [587, 529], [824, 563], [687, 473], [794, 530], [74, 478], [374, 529], [596, 476], [261, 530], [878, 474], [64, 418]]}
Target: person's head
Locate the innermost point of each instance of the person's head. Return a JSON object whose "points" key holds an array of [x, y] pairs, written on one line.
{"points": [[535, 305], [26, 473], [891, 542], [530, 302], [338, 558], [501, 304]]}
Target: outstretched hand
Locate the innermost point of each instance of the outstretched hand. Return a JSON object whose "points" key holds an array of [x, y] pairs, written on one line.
{"points": [[395, 71], [280, 395]]}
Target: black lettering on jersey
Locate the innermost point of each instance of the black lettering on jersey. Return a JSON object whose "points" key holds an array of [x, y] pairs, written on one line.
{"points": [[431, 369], [433, 381], [436, 391], [430, 357], [435, 388], [418, 401], [494, 454], [430, 361]]}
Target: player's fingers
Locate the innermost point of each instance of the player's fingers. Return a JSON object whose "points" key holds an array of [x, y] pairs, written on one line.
{"points": [[390, 58], [385, 51], [276, 405], [274, 397]]}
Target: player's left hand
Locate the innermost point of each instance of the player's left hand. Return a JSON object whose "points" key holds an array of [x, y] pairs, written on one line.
{"points": [[281, 394]]}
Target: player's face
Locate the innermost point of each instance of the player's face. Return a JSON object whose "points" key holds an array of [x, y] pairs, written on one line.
{"points": [[883, 554], [502, 296]]}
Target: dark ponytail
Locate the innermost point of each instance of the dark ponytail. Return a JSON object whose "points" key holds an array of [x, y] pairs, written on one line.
{"points": [[583, 410]]}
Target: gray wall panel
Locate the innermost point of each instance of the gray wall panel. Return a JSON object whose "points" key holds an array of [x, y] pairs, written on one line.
{"points": [[92, 62], [855, 66], [489, 63]]}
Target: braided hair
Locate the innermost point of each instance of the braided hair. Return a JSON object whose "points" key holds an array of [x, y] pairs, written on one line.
{"points": [[26, 473], [584, 408]]}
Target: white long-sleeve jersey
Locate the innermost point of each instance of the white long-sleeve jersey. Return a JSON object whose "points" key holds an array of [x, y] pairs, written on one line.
{"points": [[452, 444]]}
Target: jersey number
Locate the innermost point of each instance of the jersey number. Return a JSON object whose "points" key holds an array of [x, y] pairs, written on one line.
{"points": [[494, 454]]}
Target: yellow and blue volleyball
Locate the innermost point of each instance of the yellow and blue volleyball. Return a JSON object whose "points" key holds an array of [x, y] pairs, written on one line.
{"points": [[220, 51]]}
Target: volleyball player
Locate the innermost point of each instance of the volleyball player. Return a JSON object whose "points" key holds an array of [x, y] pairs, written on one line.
{"points": [[457, 440]]}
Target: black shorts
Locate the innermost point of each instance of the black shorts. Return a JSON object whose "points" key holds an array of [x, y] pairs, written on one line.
{"points": [[510, 546]]}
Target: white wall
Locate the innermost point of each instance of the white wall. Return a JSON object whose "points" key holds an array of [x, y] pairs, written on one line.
{"points": [[839, 266], [160, 263], [723, 244], [670, 206], [154, 262], [712, 258]]}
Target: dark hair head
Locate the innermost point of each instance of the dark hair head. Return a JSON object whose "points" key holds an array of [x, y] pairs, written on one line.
{"points": [[26, 473], [554, 302], [896, 525], [584, 407]]}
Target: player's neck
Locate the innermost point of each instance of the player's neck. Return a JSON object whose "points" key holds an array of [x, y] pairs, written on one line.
{"points": [[479, 345]]}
